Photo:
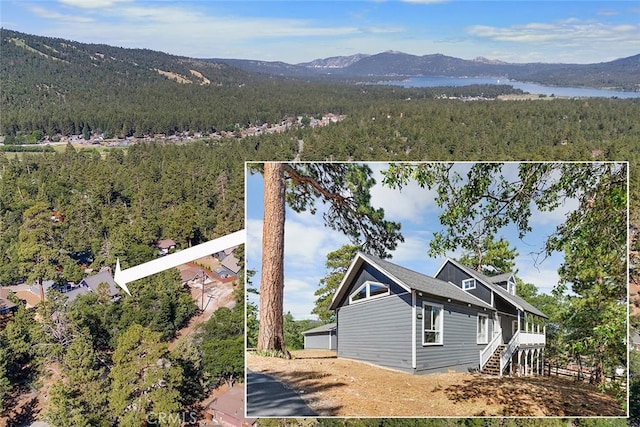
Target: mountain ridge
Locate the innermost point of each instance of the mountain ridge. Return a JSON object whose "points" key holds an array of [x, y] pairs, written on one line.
{"points": [[617, 74], [142, 66]]}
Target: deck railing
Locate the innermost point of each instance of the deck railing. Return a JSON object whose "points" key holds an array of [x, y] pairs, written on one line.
{"points": [[519, 338], [532, 338], [507, 353], [485, 353]]}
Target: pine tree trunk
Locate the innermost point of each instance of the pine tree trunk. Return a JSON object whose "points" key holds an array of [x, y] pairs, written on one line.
{"points": [[41, 289], [271, 332]]}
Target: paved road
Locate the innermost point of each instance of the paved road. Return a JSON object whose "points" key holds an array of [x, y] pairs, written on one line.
{"points": [[268, 397]]}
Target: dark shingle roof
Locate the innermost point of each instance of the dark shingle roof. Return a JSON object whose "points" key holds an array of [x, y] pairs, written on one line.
{"points": [[499, 278], [423, 283], [503, 293], [324, 328], [101, 277]]}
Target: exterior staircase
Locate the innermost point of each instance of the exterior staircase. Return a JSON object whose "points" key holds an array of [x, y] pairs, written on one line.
{"points": [[492, 367]]}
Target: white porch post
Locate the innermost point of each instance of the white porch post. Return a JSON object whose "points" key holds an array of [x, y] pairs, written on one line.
{"points": [[519, 359]]}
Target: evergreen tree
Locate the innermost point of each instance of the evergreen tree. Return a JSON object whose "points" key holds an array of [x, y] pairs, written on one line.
{"points": [[345, 187], [81, 398], [37, 245], [144, 382], [337, 264]]}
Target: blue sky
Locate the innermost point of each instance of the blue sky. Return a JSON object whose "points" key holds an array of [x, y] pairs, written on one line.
{"points": [[298, 31], [308, 241]]}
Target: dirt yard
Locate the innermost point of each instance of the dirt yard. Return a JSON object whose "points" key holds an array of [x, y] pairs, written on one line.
{"points": [[340, 387]]}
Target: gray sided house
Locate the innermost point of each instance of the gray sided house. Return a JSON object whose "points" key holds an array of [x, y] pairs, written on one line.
{"points": [[323, 337], [395, 317]]}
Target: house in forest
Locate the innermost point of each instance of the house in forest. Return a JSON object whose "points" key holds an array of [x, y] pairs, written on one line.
{"points": [[92, 284], [165, 246], [459, 320]]}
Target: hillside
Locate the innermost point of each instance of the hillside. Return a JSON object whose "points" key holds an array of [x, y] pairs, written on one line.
{"points": [[60, 87], [65, 87]]}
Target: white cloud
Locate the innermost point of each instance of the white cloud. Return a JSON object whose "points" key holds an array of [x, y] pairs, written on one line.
{"points": [[92, 4], [556, 216], [300, 308], [199, 31], [545, 279], [568, 32], [253, 247], [48, 14], [308, 241], [300, 286], [412, 203], [413, 249]]}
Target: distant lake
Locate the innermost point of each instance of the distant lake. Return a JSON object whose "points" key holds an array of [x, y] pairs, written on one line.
{"points": [[526, 87]]}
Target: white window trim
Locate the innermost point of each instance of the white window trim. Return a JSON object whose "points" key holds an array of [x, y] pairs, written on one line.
{"points": [[368, 296], [472, 280], [440, 321], [485, 339], [511, 286]]}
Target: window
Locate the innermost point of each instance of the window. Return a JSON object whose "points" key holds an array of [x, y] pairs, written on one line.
{"points": [[431, 324], [359, 294], [483, 329], [511, 286], [376, 289], [468, 284], [369, 290]]}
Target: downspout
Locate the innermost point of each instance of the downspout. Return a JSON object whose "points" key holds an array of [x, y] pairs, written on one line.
{"points": [[414, 313]]}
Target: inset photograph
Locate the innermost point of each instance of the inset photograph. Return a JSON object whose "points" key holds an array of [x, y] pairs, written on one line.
{"points": [[436, 289]]}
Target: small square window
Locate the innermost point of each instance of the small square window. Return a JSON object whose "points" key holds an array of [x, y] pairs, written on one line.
{"points": [[468, 284]]}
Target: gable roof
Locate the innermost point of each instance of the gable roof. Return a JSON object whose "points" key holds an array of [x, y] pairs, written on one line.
{"points": [[408, 279], [500, 278], [503, 293], [324, 328], [101, 277], [232, 263]]}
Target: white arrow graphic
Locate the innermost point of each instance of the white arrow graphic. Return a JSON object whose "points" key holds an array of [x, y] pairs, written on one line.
{"points": [[122, 277]]}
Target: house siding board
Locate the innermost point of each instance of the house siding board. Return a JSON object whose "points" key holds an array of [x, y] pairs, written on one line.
{"points": [[455, 275], [319, 340], [460, 350], [377, 331]]}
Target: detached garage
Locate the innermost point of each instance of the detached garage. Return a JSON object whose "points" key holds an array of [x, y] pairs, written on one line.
{"points": [[323, 337]]}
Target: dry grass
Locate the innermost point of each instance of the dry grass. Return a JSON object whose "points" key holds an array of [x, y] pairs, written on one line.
{"points": [[340, 387]]}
